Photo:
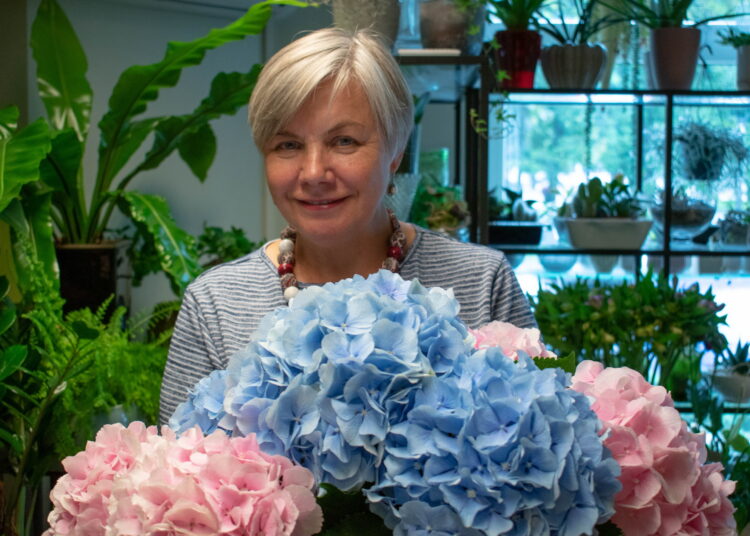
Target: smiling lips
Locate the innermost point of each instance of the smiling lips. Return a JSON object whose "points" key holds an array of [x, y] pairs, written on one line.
{"points": [[321, 203]]}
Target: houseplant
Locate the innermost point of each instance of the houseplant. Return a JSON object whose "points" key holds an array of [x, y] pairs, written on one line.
{"points": [[674, 45], [741, 42], [82, 218], [512, 219], [651, 325], [705, 155], [575, 62], [516, 49], [606, 216]]}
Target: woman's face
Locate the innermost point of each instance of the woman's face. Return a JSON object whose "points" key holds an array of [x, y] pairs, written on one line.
{"points": [[327, 169]]}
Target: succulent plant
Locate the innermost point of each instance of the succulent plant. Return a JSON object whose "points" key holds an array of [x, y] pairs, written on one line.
{"points": [[596, 199]]}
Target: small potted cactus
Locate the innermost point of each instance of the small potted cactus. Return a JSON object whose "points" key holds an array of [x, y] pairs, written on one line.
{"points": [[606, 216]]}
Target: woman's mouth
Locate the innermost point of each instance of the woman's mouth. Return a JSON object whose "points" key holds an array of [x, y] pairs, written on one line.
{"points": [[321, 204]]}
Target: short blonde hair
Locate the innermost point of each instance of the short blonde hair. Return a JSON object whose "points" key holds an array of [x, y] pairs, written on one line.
{"points": [[293, 73]]}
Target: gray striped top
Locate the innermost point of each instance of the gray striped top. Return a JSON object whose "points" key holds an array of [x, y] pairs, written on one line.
{"points": [[222, 308]]}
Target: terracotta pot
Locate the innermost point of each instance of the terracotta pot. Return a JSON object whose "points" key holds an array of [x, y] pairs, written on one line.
{"points": [[382, 16], [573, 66], [517, 55], [443, 25], [674, 56], [743, 68]]}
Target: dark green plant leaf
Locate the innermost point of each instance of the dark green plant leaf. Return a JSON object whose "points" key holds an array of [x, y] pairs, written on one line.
{"points": [[37, 208], [12, 440], [359, 524], [176, 248], [198, 149], [229, 92], [61, 69], [20, 154], [7, 315], [11, 359], [132, 140], [567, 363], [737, 441], [84, 331], [4, 288]]}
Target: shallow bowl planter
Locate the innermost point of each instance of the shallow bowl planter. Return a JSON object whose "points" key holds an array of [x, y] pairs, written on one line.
{"points": [[573, 66], [515, 232], [607, 233], [733, 387]]}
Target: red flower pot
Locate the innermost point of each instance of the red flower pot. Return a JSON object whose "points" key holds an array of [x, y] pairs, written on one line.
{"points": [[517, 54]]}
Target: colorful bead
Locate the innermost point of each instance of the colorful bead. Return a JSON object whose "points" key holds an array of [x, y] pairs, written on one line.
{"points": [[288, 280], [286, 245], [290, 292], [286, 257], [289, 283]]}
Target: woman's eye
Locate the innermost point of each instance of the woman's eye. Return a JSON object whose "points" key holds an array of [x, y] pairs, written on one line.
{"points": [[345, 141], [287, 146]]}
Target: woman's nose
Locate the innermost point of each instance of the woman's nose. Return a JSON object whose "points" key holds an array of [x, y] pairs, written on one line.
{"points": [[314, 164]]}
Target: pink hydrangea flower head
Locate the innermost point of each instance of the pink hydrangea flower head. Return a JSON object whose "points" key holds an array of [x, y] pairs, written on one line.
{"points": [[666, 489], [511, 339], [133, 481]]}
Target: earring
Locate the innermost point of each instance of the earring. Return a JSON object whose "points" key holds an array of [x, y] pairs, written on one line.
{"points": [[392, 188]]}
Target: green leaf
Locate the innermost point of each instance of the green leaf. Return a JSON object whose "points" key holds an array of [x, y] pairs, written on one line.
{"points": [[8, 121], [737, 441], [139, 84], [198, 149], [11, 359], [20, 155], [567, 363], [229, 92], [12, 439], [37, 210], [7, 309], [4, 288], [61, 69], [176, 248], [84, 331]]}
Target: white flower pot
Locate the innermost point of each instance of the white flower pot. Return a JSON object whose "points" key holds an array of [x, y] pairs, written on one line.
{"points": [[732, 386], [607, 233]]}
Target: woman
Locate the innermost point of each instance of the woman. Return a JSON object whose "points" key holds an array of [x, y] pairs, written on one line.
{"points": [[331, 114]]}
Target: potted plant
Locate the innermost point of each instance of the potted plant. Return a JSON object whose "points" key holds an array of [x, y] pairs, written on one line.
{"points": [[651, 324], [674, 46], [731, 376], [452, 24], [440, 208], [513, 220], [734, 228], [705, 154], [741, 42], [606, 216], [574, 62], [82, 215], [516, 49]]}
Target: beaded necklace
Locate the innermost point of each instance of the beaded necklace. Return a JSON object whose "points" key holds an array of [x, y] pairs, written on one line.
{"points": [[286, 260]]}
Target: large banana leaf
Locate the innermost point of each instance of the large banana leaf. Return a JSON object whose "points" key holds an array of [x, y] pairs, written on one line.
{"points": [[229, 91], [59, 172], [176, 248], [20, 154], [140, 84], [61, 70]]}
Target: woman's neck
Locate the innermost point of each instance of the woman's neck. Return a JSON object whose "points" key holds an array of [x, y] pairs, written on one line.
{"points": [[361, 253]]}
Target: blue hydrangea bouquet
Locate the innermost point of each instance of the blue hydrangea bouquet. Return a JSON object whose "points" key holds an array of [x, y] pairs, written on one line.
{"points": [[375, 386]]}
